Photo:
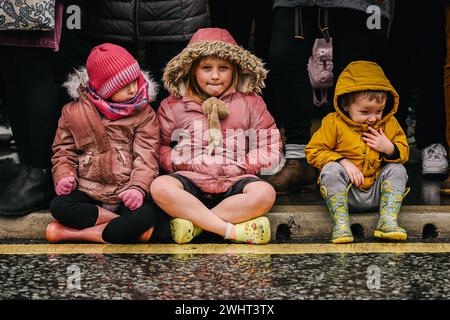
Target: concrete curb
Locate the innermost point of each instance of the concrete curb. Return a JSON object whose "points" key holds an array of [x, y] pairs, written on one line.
{"points": [[287, 222]]}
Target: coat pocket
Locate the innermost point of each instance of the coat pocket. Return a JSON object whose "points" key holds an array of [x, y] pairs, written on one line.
{"points": [[123, 164], [95, 167]]}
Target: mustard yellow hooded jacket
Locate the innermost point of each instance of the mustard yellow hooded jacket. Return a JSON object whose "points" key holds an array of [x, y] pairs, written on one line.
{"points": [[339, 137]]}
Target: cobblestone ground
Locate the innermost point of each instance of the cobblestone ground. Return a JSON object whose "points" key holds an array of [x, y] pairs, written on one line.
{"points": [[228, 276]]}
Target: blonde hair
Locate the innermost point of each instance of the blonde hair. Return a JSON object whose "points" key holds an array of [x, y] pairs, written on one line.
{"points": [[194, 90]]}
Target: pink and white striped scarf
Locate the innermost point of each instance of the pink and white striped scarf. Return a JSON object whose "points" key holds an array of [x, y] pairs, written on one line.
{"points": [[117, 110]]}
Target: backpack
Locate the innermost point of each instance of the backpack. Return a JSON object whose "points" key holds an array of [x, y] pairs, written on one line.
{"points": [[320, 65]]}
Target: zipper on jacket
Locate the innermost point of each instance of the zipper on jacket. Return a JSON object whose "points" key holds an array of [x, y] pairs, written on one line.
{"points": [[122, 156], [88, 157]]}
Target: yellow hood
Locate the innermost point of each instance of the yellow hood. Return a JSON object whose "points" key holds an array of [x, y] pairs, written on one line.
{"points": [[363, 76]]}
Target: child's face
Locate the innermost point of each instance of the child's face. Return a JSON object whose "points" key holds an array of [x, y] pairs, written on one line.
{"points": [[126, 92], [366, 111], [214, 75]]}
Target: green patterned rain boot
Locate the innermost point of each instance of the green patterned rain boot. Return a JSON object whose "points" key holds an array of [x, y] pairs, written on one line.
{"points": [[391, 200], [183, 231], [338, 207]]}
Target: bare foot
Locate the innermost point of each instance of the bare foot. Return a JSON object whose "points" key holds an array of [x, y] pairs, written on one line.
{"points": [[146, 235], [52, 232]]}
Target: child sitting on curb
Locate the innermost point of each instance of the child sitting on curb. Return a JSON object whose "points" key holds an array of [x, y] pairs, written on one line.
{"points": [[360, 150], [213, 109], [106, 153]]}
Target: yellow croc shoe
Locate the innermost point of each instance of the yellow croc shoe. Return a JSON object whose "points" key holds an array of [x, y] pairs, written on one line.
{"points": [[183, 231], [255, 231]]}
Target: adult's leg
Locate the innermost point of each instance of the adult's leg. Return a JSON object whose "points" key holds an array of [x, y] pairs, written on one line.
{"points": [[237, 22], [352, 40], [15, 104], [290, 95], [35, 125], [263, 28], [42, 105], [400, 55], [430, 111], [445, 186], [158, 54]]}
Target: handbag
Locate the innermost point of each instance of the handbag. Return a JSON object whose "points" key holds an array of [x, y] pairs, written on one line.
{"points": [[320, 64], [27, 15]]}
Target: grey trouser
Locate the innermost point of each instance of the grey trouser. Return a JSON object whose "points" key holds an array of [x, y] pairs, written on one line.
{"points": [[336, 180]]}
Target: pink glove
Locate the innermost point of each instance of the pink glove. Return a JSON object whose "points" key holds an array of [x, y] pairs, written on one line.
{"points": [[132, 198], [65, 185]]}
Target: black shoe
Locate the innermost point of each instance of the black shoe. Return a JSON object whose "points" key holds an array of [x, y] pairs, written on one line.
{"points": [[16, 182], [27, 194]]}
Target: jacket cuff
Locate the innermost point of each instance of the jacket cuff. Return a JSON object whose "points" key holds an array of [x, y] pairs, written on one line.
{"points": [[394, 156], [141, 186], [140, 190], [63, 172]]}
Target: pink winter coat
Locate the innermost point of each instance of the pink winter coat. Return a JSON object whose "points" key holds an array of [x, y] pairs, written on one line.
{"points": [[250, 139]]}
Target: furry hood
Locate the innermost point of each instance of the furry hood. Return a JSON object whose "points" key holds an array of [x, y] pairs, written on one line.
{"points": [[219, 43], [78, 80]]}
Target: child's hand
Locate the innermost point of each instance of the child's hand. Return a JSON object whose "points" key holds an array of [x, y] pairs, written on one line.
{"points": [[132, 198], [378, 141], [356, 176], [65, 185]]}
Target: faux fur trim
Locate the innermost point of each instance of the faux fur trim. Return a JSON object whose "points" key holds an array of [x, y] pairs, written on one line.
{"points": [[78, 80], [251, 68]]}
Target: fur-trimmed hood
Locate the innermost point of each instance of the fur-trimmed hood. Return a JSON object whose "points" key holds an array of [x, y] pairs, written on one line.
{"points": [[78, 81], [215, 42]]}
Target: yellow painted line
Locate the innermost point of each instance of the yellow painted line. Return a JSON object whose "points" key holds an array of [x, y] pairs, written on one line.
{"points": [[37, 249]]}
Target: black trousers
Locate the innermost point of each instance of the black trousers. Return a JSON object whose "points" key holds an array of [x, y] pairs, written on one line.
{"points": [[415, 59], [239, 22], [78, 210], [289, 88], [31, 102]]}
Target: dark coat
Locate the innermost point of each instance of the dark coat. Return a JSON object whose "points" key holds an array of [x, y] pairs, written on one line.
{"points": [[135, 21]]}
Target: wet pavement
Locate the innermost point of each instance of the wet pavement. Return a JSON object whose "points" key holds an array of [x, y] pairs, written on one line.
{"points": [[226, 276], [229, 275]]}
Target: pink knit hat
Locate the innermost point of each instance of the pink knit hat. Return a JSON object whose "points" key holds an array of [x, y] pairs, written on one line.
{"points": [[110, 68]]}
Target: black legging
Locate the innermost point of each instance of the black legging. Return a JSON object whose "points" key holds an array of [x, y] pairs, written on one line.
{"points": [[31, 100], [78, 210], [239, 22], [290, 96], [415, 59]]}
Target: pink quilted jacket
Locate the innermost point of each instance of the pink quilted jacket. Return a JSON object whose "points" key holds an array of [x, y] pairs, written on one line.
{"points": [[250, 140]]}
